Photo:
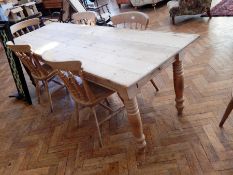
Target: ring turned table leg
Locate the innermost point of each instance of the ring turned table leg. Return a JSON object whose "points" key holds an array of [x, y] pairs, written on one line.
{"points": [[178, 84], [134, 119]]}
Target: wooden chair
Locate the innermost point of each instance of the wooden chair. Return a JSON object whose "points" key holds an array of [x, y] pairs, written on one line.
{"points": [[40, 72], [133, 20], [87, 18], [83, 92], [227, 112], [26, 26]]}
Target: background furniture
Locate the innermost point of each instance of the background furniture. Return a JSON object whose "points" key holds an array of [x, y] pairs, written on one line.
{"points": [[107, 60], [68, 7], [191, 7], [227, 111], [139, 3], [31, 9], [119, 2], [135, 20], [101, 7], [84, 93], [16, 13]]}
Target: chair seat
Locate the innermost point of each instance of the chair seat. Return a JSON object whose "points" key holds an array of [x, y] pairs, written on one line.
{"points": [[50, 73], [172, 4], [100, 93], [47, 68]]}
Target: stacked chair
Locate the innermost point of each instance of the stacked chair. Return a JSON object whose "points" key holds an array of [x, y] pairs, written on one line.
{"points": [[23, 11], [73, 6]]}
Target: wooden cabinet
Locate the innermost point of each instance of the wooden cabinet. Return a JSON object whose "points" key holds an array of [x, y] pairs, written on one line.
{"points": [[48, 4]]}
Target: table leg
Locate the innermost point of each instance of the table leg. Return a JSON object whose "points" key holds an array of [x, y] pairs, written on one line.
{"points": [[134, 119], [178, 84]]}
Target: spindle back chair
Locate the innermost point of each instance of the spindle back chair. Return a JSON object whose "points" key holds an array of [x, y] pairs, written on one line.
{"points": [[84, 92], [133, 20]]}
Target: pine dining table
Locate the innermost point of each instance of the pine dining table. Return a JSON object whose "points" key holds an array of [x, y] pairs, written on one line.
{"points": [[123, 60]]}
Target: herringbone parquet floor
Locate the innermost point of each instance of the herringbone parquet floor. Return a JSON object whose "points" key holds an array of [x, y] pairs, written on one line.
{"points": [[34, 141]]}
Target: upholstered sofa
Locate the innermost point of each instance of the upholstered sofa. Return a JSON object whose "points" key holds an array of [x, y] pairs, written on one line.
{"points": [[137, 3], [188, 7]]}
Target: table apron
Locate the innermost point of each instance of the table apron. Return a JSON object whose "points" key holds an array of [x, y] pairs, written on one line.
{"points": [[134, 89]]}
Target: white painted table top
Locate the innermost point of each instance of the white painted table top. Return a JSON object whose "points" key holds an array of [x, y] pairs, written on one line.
{"points": [[122, 56]]}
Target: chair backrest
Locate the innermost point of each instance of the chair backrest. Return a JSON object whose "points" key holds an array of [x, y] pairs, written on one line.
{"points": [[136, 20], [87, 18], [31, 60], [26, 26], [71, 73]]}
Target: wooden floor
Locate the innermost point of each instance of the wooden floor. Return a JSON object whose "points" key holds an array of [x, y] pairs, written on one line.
{"points": [[34, 141]]}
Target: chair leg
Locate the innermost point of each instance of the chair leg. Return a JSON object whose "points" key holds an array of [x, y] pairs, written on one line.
{"points": [[77, 113], [227, 112], [153, 83], [106, 101], [122, 100], [97, 125], [173, 20], [38, 91], [208, 12], [49, 96]]}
